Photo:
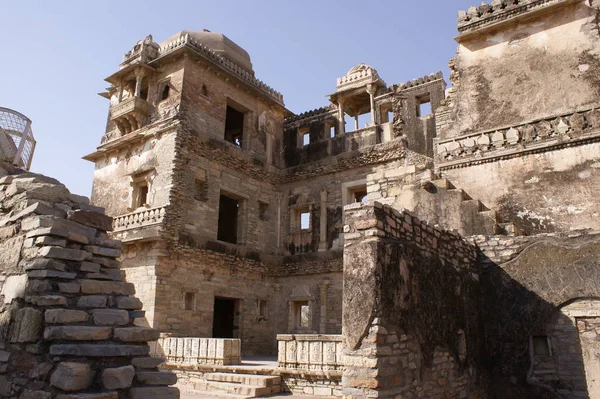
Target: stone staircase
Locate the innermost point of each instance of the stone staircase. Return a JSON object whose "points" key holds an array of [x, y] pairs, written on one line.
{"points": [[438, 201], [236, 386]]}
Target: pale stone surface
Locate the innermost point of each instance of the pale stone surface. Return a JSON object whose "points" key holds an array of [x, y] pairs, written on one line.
{"points": [[147, 362], [14, 287], [118, 378], [155, 393], [70, 376]]}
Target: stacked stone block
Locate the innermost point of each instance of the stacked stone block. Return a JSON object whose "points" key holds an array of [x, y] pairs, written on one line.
{"points": [[67, 320]]}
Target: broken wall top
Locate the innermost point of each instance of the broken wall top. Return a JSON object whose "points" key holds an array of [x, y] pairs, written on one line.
{"points": [[543, 66]]}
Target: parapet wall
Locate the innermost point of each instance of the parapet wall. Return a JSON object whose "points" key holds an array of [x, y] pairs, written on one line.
{"points": [[67, 320], [411, 308]]}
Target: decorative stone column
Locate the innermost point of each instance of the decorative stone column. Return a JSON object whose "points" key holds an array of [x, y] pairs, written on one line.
{"points": [[323, 287], [323, 223], [139, 76], [371, 90], [342, 123]]}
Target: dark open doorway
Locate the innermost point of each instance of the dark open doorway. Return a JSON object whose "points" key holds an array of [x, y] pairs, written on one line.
{"points": [[228, 219], [224, 318]]}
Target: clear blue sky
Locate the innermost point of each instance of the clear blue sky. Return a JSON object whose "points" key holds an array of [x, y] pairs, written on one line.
{"points": [[56, 54]]}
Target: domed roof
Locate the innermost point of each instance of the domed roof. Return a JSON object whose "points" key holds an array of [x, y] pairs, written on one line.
{"points": [[219, 43], [361, 67]]}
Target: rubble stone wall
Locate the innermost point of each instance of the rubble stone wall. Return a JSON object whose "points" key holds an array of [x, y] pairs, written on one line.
{"points": [[68, 321], [411, 308]]}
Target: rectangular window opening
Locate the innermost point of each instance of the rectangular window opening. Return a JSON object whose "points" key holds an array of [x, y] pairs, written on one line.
{"points": [[234, 126], [142, 195], [540, 345], [228, 219], [306, 139], [301, 315], [189, 300], [332, 132], [305, 220], [424, 105]]}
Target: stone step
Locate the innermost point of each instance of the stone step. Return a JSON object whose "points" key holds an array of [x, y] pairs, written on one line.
{"points": [[245, 379], [463, 195], [443, 183], [249, 391], [210, 394], [475, 204]]}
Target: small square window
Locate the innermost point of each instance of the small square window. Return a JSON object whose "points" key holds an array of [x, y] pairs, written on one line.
{"points": [[540, 345], [189, 301], [306, 139]]}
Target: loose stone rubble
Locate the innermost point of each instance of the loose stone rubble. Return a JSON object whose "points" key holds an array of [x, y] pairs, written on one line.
{"points": [[67, 319]]}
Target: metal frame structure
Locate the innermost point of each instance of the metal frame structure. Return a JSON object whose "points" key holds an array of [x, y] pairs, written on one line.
{"points": [[16, 127]]}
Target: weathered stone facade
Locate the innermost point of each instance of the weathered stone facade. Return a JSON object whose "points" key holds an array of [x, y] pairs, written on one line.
{"points": [[472, 275]]}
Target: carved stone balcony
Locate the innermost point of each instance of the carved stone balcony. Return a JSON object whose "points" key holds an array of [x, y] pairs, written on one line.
{"points": [[131, 114], [144, 217]]}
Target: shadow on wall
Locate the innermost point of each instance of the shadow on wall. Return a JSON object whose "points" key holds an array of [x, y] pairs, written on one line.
{"points": [[542, 320]]}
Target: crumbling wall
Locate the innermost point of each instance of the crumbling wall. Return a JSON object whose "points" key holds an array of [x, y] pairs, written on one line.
{"points": [[411, 308], [525, 68], [546, 192], [68, 323]]}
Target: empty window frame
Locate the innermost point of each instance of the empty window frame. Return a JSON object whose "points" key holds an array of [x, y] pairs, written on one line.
{"points": [[164, 90], [234, 124], [424, 105], [301, 219], [303, 137], [540, 345], [329, 129], [189, 301], [229, 212], [306, 139], [301, 315], [141, 185]]}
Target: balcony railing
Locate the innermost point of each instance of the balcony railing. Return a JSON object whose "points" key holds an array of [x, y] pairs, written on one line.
{"points": [[310, 352], [141, 218], [196, 351], [131, 114]]}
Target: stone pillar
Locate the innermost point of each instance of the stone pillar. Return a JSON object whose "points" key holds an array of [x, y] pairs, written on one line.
{"points": [[356, 122], [323, 320], [323, 224], [120, 95], [371, 90], [139, 76], [342, 123]]}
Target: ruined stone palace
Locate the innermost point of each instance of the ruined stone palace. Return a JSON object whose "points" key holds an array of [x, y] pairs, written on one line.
{"points": [[406, 240]]}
